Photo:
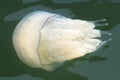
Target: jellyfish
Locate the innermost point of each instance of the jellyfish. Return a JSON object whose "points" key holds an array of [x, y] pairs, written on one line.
{"points": [[46, 40]]}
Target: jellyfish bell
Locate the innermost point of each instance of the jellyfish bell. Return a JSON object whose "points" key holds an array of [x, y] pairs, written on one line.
{"points": [[46, 40]]}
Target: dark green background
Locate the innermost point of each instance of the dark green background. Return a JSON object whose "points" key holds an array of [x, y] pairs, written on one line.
{"points": [[100, 65]]}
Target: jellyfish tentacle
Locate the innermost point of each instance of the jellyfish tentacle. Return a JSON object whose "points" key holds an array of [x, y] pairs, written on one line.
{"points": [[100, 22], [105, 33], [103, 43]]}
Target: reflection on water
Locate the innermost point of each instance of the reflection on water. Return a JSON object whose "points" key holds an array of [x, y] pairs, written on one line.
{"points": [[69, 1], [101, 65], [21, 13], [116, 1], [29, 1], [21, 77]]}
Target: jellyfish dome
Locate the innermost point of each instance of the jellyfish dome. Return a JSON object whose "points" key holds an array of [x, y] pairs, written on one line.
{"points": [[46, 40]]}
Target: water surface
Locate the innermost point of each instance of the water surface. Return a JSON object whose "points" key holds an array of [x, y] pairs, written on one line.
{"points": [[100, 65]]}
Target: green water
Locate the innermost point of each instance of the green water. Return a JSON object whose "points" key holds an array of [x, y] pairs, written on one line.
{"points": [[100, 65]]}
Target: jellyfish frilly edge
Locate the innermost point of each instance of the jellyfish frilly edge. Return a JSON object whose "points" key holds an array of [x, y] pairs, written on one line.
{"points": [[46, 40]]}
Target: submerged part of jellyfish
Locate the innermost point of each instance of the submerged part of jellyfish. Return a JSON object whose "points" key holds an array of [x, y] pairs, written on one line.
{"points": [[46, 40]]}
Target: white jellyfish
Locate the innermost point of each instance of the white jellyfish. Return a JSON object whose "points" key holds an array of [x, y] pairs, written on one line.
{"points": [[46, 40]]}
